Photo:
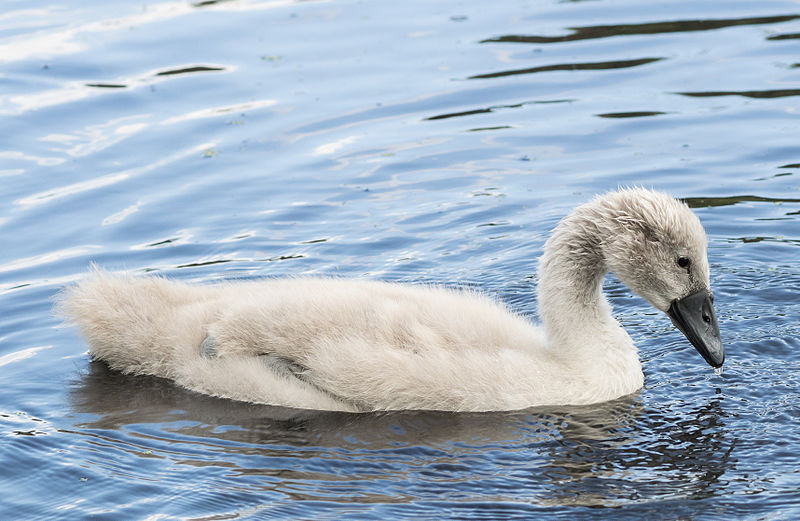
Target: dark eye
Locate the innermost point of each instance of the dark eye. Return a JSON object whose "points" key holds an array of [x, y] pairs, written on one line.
{"points": [[684, 262]]}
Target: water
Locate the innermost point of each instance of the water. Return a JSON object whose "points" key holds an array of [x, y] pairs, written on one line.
{"points": [[412, 141]]}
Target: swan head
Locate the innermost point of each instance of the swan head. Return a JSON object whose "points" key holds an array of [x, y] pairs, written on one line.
{"points": [[656, 245]]}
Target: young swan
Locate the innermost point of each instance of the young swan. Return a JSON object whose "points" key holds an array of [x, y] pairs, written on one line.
{"points": [[359, 345]]}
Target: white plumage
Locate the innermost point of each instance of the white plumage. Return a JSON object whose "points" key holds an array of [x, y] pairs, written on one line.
{"points": [[358, 345]]}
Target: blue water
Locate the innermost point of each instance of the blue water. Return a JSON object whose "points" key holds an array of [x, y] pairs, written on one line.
{"points": [[419, 141]]}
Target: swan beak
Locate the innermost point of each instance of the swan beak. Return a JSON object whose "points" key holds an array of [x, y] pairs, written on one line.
{"points": [[694, 316]]}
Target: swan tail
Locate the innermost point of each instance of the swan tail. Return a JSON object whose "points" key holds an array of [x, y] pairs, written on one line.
{"points": [[129, 322]]}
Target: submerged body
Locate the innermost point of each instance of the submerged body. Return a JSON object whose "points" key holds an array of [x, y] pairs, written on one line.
{"points": [[355, 345]]}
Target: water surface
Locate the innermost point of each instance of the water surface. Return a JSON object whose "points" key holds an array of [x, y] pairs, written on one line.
{"points": [[410, 141]]}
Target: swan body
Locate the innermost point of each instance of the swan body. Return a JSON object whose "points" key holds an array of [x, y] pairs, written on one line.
{"points": [[358, 345]]}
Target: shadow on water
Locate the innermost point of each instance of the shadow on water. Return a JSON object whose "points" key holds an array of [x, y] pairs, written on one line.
{"points": [[592, 66], [632, 114], [710, 202], [601, 455], [757, 94], [607, 31], [160, 74], [492, 108]]}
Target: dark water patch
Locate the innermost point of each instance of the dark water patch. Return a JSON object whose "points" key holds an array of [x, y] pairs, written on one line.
{"points": [[791, 165], [640, 114], [163, 243], [788, 36], [748, 240], [206, 263], [107, 85], [492, 109], [777, 93], [606, 31], [783, 174], [465, 113], [190, 70], [284, 257], [500, 223], [592, 66], [482, 129], [206, 3], [710, 202]]}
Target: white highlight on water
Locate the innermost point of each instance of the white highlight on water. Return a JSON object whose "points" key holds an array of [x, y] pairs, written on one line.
{"points": [[718, 370]]}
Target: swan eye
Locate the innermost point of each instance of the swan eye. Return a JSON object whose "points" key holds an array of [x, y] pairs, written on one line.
{"points": [[684, 262]]}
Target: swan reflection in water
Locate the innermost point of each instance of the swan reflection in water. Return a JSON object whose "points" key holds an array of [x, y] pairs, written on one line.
{"points": [[606, 454]]}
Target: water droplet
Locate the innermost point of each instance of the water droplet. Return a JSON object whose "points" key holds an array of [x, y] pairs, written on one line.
{"points": [[718, 370]]}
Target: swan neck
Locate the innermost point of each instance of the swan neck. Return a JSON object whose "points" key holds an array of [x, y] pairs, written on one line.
{"points": [[570, 294]]}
